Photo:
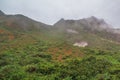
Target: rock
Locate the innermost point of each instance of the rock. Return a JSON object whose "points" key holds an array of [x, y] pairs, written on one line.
{"points": [[81, 44]]}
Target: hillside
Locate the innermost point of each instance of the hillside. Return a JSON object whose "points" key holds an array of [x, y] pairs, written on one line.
{"points": [[96, 32], [16, 26], [85, 49], [20, 22]]}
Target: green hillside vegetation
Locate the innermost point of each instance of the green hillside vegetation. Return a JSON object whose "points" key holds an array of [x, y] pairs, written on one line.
{"points": [[45, 60], [44, 52], [35, 62]]}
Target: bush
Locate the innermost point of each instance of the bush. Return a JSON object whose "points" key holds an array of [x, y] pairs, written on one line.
{"points": [[11, 72]]}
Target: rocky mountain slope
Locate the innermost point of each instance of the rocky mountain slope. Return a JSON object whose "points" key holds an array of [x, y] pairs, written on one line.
{"points": [[90, 25]]}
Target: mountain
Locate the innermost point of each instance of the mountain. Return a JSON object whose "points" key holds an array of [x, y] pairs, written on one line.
{"points": [[17, 26], [92, 31], [91, 25], [20, 22], [85, 49]]}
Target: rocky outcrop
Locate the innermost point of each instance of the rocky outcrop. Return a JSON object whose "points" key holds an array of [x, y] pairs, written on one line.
{"points": [[81, 44]]}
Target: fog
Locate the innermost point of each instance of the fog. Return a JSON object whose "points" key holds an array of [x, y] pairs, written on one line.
{"points": [[50, 11]]}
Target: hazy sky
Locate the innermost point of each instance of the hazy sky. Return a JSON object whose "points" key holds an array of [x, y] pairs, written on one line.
{"points": [[50, 11]]}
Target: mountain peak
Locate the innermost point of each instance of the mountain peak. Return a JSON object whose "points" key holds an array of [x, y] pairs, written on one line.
{"points": [[92, 17], [61, 21], [1, 13], [96, 20]]}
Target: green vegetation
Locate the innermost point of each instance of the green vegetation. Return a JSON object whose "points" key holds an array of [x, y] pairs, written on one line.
{"points": [[35, 62]]}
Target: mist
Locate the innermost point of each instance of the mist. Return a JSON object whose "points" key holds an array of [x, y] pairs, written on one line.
{"points": [[50, 11]]}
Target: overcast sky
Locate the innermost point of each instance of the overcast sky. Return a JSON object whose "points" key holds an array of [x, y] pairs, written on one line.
{"points": [[50, 11]]}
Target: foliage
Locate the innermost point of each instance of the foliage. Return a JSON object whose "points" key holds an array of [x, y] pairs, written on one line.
{"points": [[32, 58]]}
